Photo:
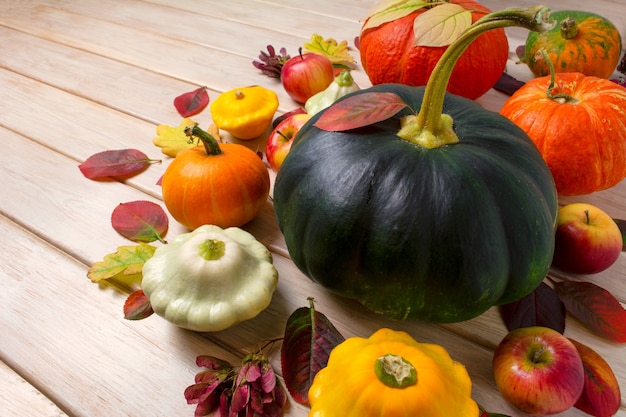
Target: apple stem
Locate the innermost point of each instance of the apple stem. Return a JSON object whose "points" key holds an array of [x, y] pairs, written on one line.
{"points": [[282, 135], [537, 354], [587, 219]]}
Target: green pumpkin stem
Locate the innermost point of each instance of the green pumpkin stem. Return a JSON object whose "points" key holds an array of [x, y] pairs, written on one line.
{"points": [[430, 128], [394, 371], [569, 28], [211, 145], [561, 98]]}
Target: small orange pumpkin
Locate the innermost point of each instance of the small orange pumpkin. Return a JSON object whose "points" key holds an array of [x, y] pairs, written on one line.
{"points": [[578, 123], [389, 56], [220, 184], [581, 42]]}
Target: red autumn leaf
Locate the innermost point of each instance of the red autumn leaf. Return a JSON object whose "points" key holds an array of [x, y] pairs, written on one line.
{"points": [[542, 307], [192, 103], [137, 306], [140, 221], [601, 395], [114, 163], [595, 307], [309, 338], [360, 110]]}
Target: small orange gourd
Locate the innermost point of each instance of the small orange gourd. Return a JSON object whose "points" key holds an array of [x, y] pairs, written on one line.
{"points": [[578, 123], [580, 42], [225, 185], [390, 374]]}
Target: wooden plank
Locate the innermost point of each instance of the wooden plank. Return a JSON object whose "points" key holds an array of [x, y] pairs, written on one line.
{"points": [[56, 121], [19, 398], [126, 88], [286, 18], [198, 64]]}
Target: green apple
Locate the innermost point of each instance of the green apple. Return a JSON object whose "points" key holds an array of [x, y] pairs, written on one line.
{"points": [[587, 239], [538, 370]]}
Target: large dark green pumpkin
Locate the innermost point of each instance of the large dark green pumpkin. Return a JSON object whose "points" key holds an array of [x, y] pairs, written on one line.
{"points": [[437, 234]]}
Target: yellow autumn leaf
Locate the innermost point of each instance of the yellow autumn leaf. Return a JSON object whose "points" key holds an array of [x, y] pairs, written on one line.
{"points": [[337, 52], [390, 10], [441, 25], [127, 260], [172, 139]]}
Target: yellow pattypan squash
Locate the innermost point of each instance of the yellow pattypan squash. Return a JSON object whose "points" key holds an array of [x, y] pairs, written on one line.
{"points": [[245, 112], [390, 374]]}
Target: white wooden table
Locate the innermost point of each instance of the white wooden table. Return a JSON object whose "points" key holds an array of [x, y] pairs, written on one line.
{"points": [[79, 77]]}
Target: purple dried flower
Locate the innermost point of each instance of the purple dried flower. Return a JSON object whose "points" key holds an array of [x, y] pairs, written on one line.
{"points": [[271, 64], [250, 390]]}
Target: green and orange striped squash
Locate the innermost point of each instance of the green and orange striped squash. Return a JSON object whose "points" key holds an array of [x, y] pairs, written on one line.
{"points": [[580, 42]]}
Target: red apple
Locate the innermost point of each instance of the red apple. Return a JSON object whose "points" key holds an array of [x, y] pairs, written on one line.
{"points": [[277, 120], [280, 139], [538, 370], [587, 239], [305, 75]]}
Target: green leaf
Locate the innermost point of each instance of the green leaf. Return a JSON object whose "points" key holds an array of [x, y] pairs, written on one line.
{"points": [[360, 110], [309, 339], [128, 260], [390, 10], [441, 25]]}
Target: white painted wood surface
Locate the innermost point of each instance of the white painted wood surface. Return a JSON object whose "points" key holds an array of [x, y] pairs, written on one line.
{"points": [[79, 77]]}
